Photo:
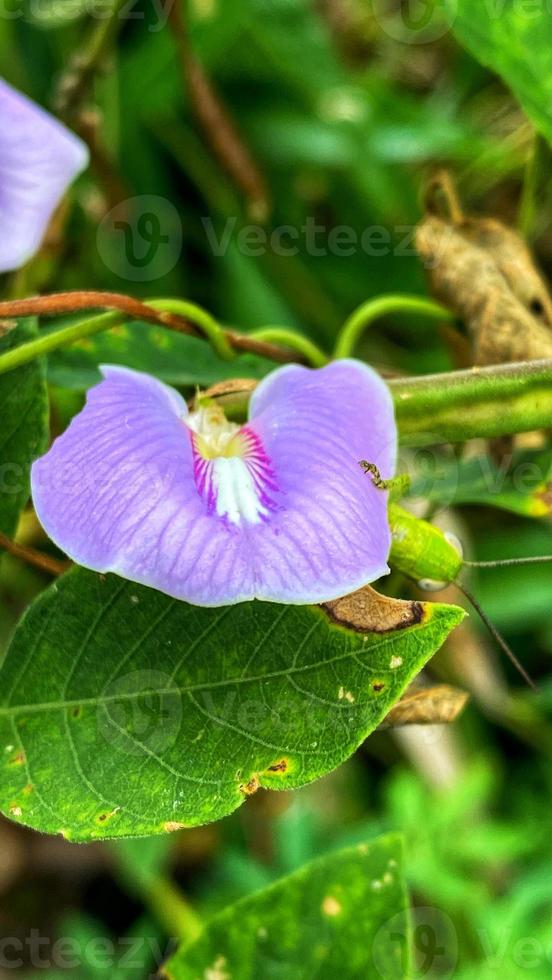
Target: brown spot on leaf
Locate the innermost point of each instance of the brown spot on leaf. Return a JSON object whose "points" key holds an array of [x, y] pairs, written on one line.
{"points": [[378, 686], [366, 611], [280, 766], [77, 711], [18, 759], [103, 817], [170, 827], [250, 787]]}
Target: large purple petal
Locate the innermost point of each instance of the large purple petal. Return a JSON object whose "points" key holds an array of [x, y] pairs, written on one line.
{"points": [[331, 535], [117, 493], [288, 516], [39, 158]]}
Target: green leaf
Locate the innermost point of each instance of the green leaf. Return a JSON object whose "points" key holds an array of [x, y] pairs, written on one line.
{"points": [[24, 428], [124, 712], [521, 484], [172, 357], [342, 915], [515, 40]]}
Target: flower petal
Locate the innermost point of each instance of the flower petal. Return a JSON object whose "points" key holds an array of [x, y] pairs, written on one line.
{"points": [[331, 534], [39, 158], [117, 493], [290, 519]]}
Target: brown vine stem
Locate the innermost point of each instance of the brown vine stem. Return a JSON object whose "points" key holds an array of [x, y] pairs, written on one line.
{"points": [[216, 121], [70, 302], [33, 557]]}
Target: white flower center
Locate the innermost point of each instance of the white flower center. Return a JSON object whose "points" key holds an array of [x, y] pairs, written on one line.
{"points": [[214, 432], [231, 469], [237, 495]]}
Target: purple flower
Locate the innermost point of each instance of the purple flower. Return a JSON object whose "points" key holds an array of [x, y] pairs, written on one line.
{"points": [[38, 160], [215, 513]]}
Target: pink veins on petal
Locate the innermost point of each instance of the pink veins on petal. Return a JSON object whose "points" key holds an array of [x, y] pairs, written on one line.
{"points": [[212, 512], [236, 484]]}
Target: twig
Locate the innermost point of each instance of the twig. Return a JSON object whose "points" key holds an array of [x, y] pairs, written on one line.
{"points": [[215, 120], [452, 407], [497, 636], [70, 302], [76, 82], [33, 557]]}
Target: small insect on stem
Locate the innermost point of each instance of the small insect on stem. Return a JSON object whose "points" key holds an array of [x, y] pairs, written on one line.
{"points": [[397, 485], [372, 469]]}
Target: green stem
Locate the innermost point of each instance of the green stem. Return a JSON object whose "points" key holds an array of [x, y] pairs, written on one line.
{"points": [[480, 402], [172, 910], [293, 340], [451, 407], [206, 323], [65, 336], [460, 405], [55, 339], [535, 171], [364, 315], [100, 38]]}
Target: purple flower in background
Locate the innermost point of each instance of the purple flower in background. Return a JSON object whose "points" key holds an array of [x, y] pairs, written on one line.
{"points": [[215, 513], [38, 160]]}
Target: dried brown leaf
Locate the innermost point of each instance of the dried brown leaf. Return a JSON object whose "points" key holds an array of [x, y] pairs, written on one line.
{"points": [[484, 272], [438, 705], [231, 386]]}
